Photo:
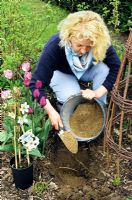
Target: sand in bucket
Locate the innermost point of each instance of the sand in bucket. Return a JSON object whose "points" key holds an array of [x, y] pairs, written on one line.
{"points": [[87, 120], [69, 140]]}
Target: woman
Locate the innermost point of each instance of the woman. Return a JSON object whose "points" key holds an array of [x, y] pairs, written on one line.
{"points": [[81, 51]]}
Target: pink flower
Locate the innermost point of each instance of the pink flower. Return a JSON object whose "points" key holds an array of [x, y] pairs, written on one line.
{"points": [[36, 93], [30, 110], [38, 84], [42, 101], [28, 75], [26, 66], [26, 82], [8, 73], [6, 94]]}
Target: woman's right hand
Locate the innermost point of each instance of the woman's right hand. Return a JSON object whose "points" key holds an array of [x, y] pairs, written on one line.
{"points": [[53, 116]]}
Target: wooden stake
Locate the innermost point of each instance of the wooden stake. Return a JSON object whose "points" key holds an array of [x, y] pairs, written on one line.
{"points": [[15, 148], [28, 159]]}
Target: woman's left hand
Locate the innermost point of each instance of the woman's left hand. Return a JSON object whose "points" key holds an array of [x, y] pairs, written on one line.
{"points": [[88, 94]]}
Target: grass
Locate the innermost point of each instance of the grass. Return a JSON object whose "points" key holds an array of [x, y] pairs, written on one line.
{"points": [[44, 15], [26, 27], [39, 188]]}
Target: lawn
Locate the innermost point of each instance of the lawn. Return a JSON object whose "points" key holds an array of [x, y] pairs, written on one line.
{"points": [[26, 26]]}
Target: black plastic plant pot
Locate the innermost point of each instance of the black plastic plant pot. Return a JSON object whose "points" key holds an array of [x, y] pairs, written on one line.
{"points": [[23, 177]]}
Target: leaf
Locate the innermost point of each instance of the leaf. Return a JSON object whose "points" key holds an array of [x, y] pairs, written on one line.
{"points": [[44, 135], [4, 136], [128, 198], [36, 152], [47, 128], [8, 124], [38, 130], [7, 147]]}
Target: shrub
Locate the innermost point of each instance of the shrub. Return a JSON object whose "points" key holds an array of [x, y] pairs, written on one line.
{"points": [[116, 13]]}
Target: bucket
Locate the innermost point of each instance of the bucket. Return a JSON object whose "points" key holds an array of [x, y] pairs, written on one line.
{"points": [[69, 107]]}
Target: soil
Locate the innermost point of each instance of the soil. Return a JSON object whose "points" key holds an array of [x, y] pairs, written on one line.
{"points": [[82, 176], [22, 164], [70, 141], [87, 120]]}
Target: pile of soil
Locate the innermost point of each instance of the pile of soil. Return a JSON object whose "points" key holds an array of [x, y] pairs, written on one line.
{"points": [[84, 176], [87, 120]]}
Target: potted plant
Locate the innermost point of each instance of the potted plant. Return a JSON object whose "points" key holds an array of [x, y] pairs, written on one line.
{"points": [[25, 137], [26, 129], [21, 164]]}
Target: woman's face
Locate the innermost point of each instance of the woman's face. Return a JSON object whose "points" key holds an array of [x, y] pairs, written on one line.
{"points": [[81, 47]]}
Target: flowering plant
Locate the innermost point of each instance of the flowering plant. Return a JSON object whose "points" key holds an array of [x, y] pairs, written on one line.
{"points": [[26, 125]]}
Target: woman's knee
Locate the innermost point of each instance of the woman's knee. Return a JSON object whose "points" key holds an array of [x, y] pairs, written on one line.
{"points": [[64, 86], [102, 69], [63, 96]]}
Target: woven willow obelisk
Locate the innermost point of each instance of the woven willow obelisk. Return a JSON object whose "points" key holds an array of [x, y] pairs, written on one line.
{"points": [[118, 131]]}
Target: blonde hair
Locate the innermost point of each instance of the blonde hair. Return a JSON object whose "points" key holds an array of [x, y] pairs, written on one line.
{"points": [[85, 25]]}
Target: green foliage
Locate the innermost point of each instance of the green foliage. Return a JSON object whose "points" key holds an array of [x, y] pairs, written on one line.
{"points": [[25, 27], [39, 188], [128, 198], [117, 13], [5, 136], [116, 181], [39, 124], [120, 48], [125, 124], [46, 133], [7, 147], [36, 153], [83, 6], [114, 20]]}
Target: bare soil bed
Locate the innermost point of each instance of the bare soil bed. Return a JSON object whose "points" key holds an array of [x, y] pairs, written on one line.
{"points": [[84, 176]]}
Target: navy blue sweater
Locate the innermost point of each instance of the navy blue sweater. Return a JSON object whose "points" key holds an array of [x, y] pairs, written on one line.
{"points": [[53, 58]]}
